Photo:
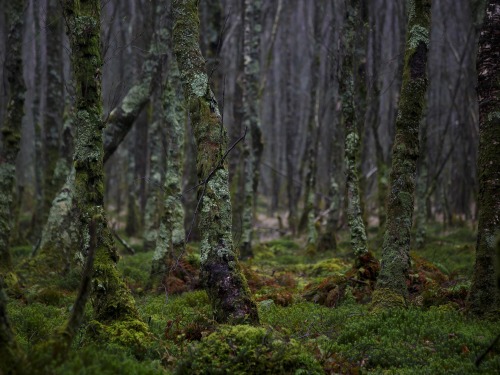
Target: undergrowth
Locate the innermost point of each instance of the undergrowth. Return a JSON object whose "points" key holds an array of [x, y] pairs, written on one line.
{"points": [[296, 336]]}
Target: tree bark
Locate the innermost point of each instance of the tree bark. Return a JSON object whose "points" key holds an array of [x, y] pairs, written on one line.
{"points": [[171, 234], [484, 297], [391, 287], [352, 139], [253, 147], [11, 127], [220, 271], [114, 306]]}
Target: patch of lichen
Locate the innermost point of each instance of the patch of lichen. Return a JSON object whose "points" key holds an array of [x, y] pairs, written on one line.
{"points": [[244, 349]]}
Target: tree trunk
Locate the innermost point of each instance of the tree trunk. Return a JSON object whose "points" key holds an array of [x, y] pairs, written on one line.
{"points": [[391, 285], [11, 127], [171, 235], [253, 146], [352, 139], [484, 297], [114, 307], [220, 271], [54, 109]]}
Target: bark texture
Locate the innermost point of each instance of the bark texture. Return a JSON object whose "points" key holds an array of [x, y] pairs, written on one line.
{"points": [[54, 109], [220, 271], [11, 127], [352, 139], [114, 307], [253, 146], [484, 297], [391, 287], [170, 240]]}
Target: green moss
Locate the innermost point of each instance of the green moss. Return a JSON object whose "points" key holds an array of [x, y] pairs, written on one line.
{"points": [[245, 349], [384, 298], [110, 359], [130, 333]]}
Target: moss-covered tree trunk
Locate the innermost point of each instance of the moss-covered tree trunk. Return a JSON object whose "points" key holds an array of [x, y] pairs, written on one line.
{"points": [[60, 234], [171, 235], [253, 146], [484, 297], [220, 271], [114, 307], [11, 127], [352, 139], [391, 287]]}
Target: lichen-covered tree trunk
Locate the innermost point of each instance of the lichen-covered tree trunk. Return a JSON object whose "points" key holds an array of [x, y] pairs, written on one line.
{"points": [[114, 307], [221, 273], [391, 287], [11, 127], [60, 234], [152, 211], [484, 297], [253, 147], [54, 108], [171, 235], [12, 357], [352, 140]]}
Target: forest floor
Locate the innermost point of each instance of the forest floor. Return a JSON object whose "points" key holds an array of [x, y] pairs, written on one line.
{"points": [[314, 310]]}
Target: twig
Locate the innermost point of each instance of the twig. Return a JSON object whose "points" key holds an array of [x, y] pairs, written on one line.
{"points": [[123, 242]]}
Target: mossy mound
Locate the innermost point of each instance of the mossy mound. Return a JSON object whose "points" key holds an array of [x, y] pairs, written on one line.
{"points": [[245, 349], [129, 333]]}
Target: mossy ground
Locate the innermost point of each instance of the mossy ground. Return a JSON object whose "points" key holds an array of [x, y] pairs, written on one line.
{"points": [[314, 310]]}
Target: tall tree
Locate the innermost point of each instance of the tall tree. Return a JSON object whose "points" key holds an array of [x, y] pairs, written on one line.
{"points": [[113, 302], [391, 287], [11, 127], [253, 147], [54, 108], [352, 138], [171, 234], [220, 270], [484, 297]]}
